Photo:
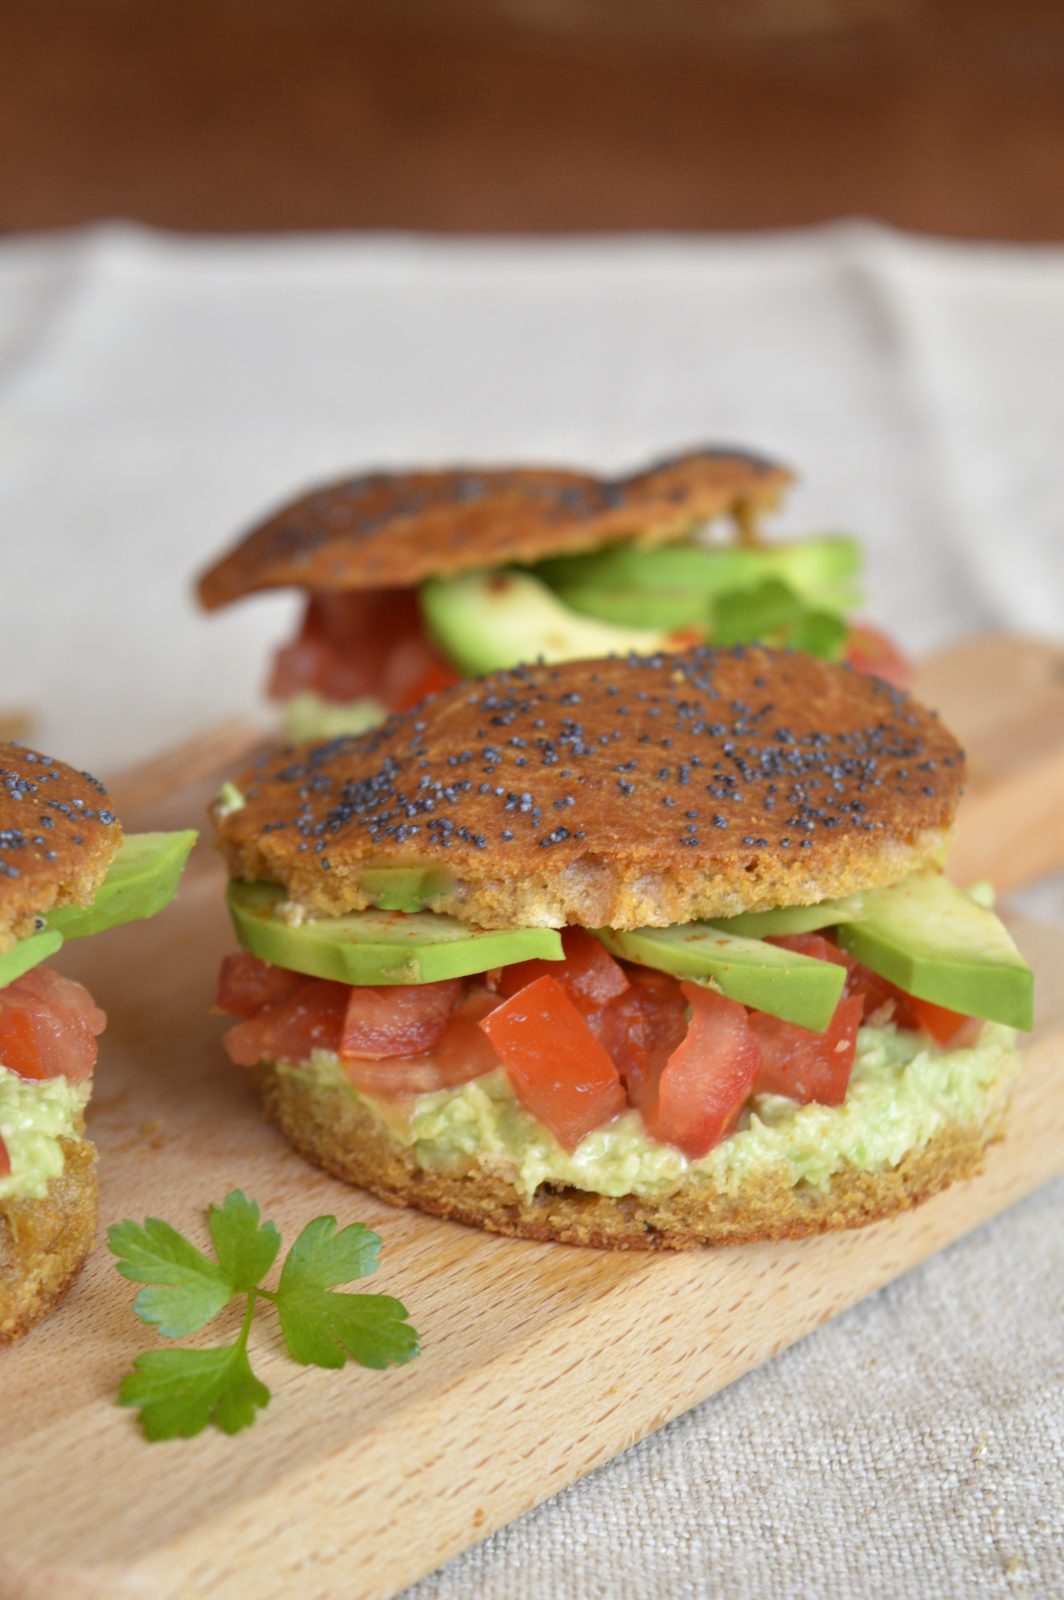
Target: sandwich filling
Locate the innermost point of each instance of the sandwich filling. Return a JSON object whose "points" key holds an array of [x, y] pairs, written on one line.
{"points": [[623, 1062], [362, 654], [49, 1024], [48, 1031]]}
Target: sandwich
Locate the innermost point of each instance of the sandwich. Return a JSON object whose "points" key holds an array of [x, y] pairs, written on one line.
{"points": [[66, 871], [415, 579], [637, 953]]}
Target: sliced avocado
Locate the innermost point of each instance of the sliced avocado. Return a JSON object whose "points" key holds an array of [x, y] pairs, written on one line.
{"points": [[669, 609], [796, 988], [486, 620], [792, 919], [933, 940], [821, 570], [404, 888], [379, 947], [29, 952], [141, 880], [774, 614]]}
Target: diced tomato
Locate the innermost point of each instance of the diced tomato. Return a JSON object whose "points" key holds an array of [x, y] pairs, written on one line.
{"points": [[310, 1018], [246, 984], [945, 1027], [812, 944], [805, 1065], [588, 974], [414, 669], [642, 1027], [707, 1079], [396, 1020], [361, 643], [5, 1159], [462, 1052], [872, 651], [48, 1026], [558, 1069]]}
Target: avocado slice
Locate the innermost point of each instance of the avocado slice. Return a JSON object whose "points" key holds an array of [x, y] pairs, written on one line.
{"points": [[668, 609], [379, 947], [404, 888], [796, 988], [29, 952], [486, 620], [933, 940], [821, 570], [141, 880], [792, 919]]}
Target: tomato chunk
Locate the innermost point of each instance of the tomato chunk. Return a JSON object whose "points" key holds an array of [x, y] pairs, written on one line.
{"points": [[870, 650], [462, 1052], [805, 1065], [642, 1027], [558, 1069], [311, 1018], [588, 974], [396, 1020], [5, 1159], [48, 1026], [246, 984], [359, 644], [707, 1079], [945, 1027]]}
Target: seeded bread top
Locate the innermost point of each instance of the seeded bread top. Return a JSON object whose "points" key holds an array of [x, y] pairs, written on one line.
{"points": [[393, 529], [57, 838], [650, 790]]}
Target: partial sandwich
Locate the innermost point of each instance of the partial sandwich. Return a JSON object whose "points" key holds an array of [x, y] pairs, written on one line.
{"points": [[635, 953], [66, 871], [414, 579]]}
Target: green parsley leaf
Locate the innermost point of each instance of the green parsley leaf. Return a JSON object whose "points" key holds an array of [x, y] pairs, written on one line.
{"points": [[180, 1391], [245, 1251], [191, 1289], [325, 1329]]}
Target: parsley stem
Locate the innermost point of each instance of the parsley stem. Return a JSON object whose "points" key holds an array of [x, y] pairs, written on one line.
{"points": [[245, 1326]]}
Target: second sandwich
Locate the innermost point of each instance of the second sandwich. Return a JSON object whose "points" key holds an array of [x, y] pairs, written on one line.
{"points": [[638, 953]]}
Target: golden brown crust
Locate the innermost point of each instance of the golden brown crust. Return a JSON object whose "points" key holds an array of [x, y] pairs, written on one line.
{"points": [[339, 1134], [387, 529], [56, 838], [45, 1243], [653, 790]]}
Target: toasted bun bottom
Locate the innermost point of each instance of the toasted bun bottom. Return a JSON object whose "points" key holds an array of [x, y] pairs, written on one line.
{"points": [[45, 1243], [339, 1134]]}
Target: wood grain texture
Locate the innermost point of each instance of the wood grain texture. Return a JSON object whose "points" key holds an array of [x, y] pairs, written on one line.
{"points": [[1003, 696]]}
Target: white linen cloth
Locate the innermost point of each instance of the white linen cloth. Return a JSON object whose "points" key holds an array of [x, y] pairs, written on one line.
{"points": [[157, 394]]}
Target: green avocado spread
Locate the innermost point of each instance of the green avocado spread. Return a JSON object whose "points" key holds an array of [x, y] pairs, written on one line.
{"points": [[902, 1092], [307, 716], [34, 1116]]}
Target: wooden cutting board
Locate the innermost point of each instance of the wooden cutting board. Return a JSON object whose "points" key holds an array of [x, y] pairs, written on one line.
{"points": [[539, 1362], [1003, 696]]}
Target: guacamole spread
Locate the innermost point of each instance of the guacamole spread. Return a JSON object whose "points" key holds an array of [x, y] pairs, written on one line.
{"points": [[308, 716], [903, 1091], [34, 1116]]}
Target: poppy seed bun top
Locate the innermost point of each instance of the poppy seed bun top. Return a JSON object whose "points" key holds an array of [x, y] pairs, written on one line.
{"points": [[393, 529], [649, 790], [57, 838]]}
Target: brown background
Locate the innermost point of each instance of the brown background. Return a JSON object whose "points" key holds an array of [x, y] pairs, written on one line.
{"points": [[504, 115]]}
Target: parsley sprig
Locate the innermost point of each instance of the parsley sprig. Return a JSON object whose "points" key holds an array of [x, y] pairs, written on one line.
{"points": [[179, 1392]]}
